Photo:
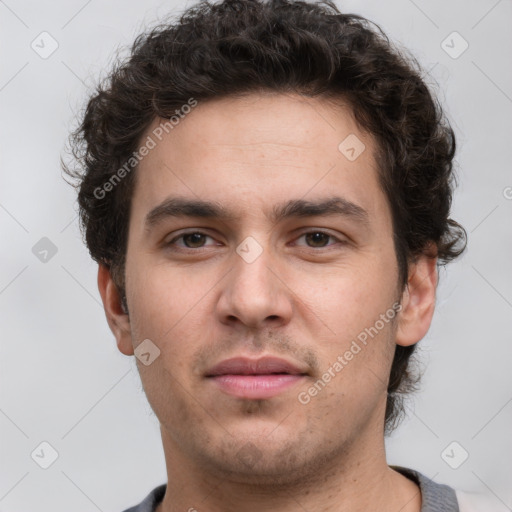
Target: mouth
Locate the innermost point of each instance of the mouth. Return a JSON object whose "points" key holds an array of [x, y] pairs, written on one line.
{"points": [[255, 378]]}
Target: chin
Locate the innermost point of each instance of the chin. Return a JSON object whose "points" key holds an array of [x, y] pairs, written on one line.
{"points": [[250, 453]]}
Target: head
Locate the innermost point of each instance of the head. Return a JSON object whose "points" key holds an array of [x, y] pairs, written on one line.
{"points": [[240, 122]]}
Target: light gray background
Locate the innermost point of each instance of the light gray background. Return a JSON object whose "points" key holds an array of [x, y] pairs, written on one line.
{"points": [[62, 379]]}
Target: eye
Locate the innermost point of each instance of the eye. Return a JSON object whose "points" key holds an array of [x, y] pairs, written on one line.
{"points": [[191, 240], [318, 239], [315, 239]]}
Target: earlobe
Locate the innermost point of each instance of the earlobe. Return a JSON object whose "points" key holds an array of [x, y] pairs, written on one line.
{"points": [[418, 301], [118, 320]]}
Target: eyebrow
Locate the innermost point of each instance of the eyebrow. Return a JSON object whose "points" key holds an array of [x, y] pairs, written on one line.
{"points": [[295, 208]]}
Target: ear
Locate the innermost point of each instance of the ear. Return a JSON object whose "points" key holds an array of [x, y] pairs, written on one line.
{"points": [[118, 320], [418, 301]]}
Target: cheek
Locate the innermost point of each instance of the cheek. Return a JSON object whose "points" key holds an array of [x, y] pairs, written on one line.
{"points": [[353, 379], [171, 309], [164, 393], [357, 308], [163, 314], [158, 299], [350, 297]]}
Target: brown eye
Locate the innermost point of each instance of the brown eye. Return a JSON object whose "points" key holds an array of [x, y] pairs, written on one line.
{"points": [[190, 240], [194, 240], [317, 238]]}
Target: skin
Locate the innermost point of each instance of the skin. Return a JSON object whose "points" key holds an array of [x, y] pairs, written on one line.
{"points": [[305, 299]]}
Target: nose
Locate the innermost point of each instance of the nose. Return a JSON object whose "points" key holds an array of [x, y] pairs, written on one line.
{"points": [[255, 294]]}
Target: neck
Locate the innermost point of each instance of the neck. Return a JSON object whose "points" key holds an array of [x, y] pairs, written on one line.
{"points": [[356, 480]]}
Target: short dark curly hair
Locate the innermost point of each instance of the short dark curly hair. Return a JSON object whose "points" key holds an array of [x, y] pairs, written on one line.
{"points": [[237, 47]]}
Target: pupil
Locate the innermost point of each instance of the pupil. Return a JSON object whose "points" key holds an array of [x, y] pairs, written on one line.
{"points": [[318, 238], [194, 238]]}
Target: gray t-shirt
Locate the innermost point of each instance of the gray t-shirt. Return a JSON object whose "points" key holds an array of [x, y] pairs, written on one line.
{"points": [[434, 497]]}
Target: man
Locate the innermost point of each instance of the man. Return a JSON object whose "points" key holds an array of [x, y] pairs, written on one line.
{"points": [[266, 188]]}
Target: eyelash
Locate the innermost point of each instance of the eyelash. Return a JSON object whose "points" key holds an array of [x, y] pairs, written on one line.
{"points": [[199, 249]]}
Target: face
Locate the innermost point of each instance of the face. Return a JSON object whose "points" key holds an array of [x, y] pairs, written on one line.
{"points": [[253, 236]]}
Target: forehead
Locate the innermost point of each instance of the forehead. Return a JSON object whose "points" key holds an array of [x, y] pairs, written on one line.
{"points": [[267, 125], [259, 148]]}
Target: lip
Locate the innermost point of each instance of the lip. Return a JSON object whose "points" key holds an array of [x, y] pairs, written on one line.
{"points": [[262, 366], [255, 378]]}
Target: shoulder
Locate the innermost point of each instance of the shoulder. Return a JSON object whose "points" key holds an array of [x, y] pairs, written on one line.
{"points": [[442, 498], [150, 502], [435, 497]]}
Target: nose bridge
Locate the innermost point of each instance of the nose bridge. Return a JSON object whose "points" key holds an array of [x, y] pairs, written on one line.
{"points": [[252, 267], [253, 294]]}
